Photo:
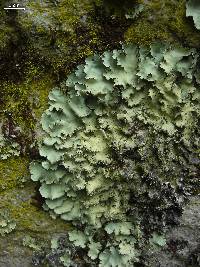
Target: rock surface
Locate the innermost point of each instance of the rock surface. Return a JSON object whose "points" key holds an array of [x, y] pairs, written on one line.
{"points": [[183, 241]]}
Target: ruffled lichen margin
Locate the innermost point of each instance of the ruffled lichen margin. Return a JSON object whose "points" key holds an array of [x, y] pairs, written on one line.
{"points": [[114, 133]]}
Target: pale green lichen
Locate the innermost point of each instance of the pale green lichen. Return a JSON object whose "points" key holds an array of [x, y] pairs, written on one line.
{"points": [[120, 118], [7, 147], [7, 225], [157, 240], [30, 242], [193, 10]]}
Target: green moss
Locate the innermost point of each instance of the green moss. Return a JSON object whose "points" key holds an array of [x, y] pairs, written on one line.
{"points": [[66, 33], [61, 16], [33, 219], [144, 33], [15, 102], [183, 26], [20, 99], [55, 27], [15, 197], [166, 21], [5, 35], [40, 88], [11, 170]]}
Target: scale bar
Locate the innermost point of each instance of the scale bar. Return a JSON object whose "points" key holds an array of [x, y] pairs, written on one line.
{"points": [[22, 8]]}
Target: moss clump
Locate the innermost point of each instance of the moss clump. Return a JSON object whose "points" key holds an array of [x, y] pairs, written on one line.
{"points": [[60, 29], [15, 102], [144, 33], [182, 27], [20, 210], [66, 33], [18, 198], [23, 102], [32, 219], [12, 170], [163, 20]]}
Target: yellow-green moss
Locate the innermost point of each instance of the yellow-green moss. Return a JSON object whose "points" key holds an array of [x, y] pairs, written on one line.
{"points": [[5, 34], [38, 87], [17, 197], [166, 21], [144, 33], [11, 172], [25, 212], [183, 26], [15, 101], [31, 218], [64, 14], [20, 99], [65, 33]]}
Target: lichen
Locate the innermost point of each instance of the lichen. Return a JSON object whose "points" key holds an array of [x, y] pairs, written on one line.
{"points": [[120, 124], [7, 225], [8, 149], [193, 10]]}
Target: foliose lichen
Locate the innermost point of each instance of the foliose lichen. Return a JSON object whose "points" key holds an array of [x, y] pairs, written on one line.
{"points": [[7, 225], [122, 126], [193, 10]]}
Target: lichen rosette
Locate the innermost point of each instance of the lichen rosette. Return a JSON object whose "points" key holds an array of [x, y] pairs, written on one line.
{"points": [[120, 119]]}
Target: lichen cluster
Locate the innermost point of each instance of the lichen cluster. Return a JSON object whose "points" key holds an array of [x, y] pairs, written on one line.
{"points": [[120, 136]]}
